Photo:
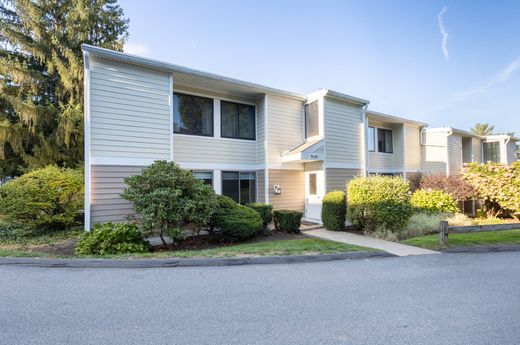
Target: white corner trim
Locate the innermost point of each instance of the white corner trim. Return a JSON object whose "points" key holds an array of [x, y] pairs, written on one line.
{"points": [[266, 149], [170, 98], [404, 151], [365, 154], [86, 134]]}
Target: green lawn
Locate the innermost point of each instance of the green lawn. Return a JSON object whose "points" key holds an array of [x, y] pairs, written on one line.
{"points": [[305, 246], [468, 239]]}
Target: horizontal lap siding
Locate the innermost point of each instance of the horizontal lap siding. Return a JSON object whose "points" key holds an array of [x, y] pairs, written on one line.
{"points": [[434, 152], [412, 148], [476, 148], [336, 179], [455, 154], [107, 184], [285, 126], [260, 182], [293, 189], [343, 132], [129, 111], [191, 148], [260, 133]]}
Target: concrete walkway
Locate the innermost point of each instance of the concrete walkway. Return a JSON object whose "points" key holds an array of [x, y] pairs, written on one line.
{"points": [[364, 241]]}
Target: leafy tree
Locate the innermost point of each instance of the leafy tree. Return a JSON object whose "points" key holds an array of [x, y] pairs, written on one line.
{"points": [[41, 75], [483, 129]]}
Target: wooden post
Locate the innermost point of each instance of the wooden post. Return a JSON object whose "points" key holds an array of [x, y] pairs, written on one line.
{"points": [[443, 233]]}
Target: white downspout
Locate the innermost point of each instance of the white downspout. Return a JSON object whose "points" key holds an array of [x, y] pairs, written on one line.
{"points": [[266, 150], [365, 139], [86, 129], [450, 132]]}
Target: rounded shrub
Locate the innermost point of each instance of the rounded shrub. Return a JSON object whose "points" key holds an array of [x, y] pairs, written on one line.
{"points": [[287, 220], [235, 221], [434, 201], [47, 198], [333, 211], [378, 202], [110, 238], [265, 211]]}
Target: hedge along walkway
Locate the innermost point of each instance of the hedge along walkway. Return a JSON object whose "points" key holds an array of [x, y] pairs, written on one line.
{"points": [[364, 241]]}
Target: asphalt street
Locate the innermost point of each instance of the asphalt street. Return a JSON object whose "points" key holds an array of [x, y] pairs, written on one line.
{"points": [[451, 299]]}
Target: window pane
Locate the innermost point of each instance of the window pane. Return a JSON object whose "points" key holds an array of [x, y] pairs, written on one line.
{"points": [[247, 187], [229, 119], [384, 140], [313, 188], [230, 187], [205, 176], [371, 139], [192, 115], [246, 122], [492, 152], [312, 119], [388, 142]]}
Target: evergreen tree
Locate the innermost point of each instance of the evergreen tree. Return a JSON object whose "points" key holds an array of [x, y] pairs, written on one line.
{"points": [[41, 76]]}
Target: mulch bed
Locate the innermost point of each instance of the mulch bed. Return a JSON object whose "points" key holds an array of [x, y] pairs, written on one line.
{"points": [[61, 249]]}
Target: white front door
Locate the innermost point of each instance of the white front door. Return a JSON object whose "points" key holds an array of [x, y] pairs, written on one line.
{"points": [[314, 191]]}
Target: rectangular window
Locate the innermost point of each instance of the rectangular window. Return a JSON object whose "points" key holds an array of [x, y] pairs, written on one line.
{"points": [[313, 187], [492, 152], [312, 127], [239, 186], [371, 139], [237, 121], [205, 176], [192, 115], [384, 140]]}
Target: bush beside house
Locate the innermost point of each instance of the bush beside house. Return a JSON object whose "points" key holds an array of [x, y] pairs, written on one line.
{"points": [[434, 201], [287, 220], [378, 202], [109, 238], [333, 211], [265, 211], [46, 198]]}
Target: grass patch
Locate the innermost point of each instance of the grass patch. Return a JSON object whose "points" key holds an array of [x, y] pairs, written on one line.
{"points": [[467, 239]]}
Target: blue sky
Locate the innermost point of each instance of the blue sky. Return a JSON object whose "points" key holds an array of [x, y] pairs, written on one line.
{"points": [[442, 62]]}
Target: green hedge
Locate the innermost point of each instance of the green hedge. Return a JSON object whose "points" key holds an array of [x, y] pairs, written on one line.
{"points": [[265, 211], [333, 211], [434, 201], [110, 238], [235, 221], [378, 202], [47, 198], [287, 220]]}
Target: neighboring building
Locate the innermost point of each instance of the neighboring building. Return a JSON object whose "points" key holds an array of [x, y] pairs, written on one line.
{"points": [[250, 142]]}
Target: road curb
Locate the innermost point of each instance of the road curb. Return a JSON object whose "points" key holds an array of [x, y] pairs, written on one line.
{"points": [[202, 262], [483, 249]]}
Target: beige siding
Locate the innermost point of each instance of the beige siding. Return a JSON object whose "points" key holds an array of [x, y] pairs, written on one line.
{"points": [[336, 179], [434, 152], [260, 133], [398, 141], [191, 148], [285, 126], [467, 150], [293, 189], [343, 132], [107, 183], [455, 154], [129, 111], [511, 152], [260, 183], [476, 148], [312, 166], [412, 147], [387, 162]]}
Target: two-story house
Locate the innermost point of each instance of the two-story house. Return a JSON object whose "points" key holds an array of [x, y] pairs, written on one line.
{"points": [[250, 142]]}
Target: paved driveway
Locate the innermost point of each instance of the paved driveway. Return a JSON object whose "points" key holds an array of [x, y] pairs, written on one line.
{"points": [[432, 299]]}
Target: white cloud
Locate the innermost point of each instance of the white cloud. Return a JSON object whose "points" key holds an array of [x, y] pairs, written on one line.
{"points": [[444, 33], [499, 78], [137, 49]]}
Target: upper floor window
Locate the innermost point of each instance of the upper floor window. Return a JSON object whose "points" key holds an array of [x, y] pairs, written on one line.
{"points": [[237, 120], [312, 127], [371, 139], [192, 115], [492, 152], [384, 141]]}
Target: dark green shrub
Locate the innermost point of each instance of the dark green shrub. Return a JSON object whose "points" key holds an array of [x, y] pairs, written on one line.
{"points": [[235, 221], [265, 211], [170, 198], [333, 211], [378, 201], [287, 220], [434, 201], [47, 198], [110, 238]]}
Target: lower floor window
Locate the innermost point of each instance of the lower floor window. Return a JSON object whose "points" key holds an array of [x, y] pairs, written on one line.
{"points": [[239, 186], [205, 176]]}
